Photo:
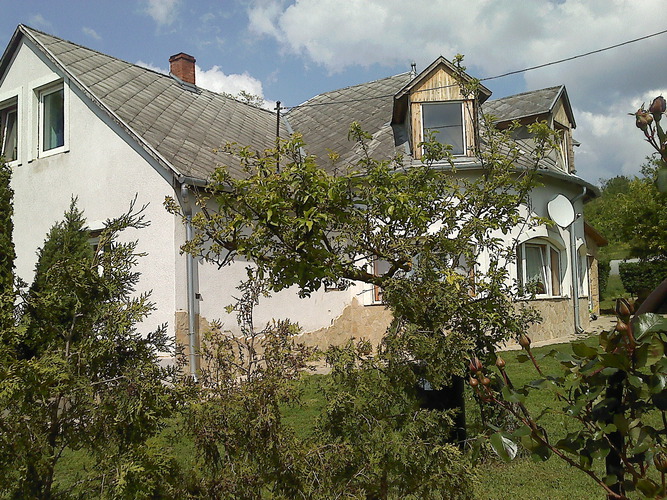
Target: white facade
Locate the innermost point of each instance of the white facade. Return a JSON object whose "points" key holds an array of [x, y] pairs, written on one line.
{"points": [[101, 162]]}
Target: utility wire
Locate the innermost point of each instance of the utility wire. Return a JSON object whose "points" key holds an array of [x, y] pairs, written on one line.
{"points": [[574, 57], [515, 72]]}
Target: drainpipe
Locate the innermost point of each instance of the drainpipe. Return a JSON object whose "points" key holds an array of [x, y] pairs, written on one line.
{"points": [[574, 262], [190, 278]]}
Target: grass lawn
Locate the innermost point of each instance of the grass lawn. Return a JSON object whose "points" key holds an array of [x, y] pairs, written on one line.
{"points": [[614, 290], [523, 478]]}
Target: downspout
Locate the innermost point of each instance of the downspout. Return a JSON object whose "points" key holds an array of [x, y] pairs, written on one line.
{"points": [[190, 279], [574, 261]]}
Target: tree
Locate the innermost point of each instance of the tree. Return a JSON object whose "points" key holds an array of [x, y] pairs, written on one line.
{"points": [[243, 449], [48, 309], [643, 214], [377, 438], [303, 226], [79, 377], [633, 211], [603, 212], [613, 397], [7, 252]]}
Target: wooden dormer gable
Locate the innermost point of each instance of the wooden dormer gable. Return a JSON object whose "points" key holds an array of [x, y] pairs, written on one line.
{"points": [[433, 101]]}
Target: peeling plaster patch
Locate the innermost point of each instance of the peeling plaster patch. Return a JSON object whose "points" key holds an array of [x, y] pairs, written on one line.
{"points": [[356, 321]]}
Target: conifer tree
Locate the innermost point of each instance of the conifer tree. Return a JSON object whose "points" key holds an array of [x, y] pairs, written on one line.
{"points": [[64, 262], [85, 378], [7, 253]]}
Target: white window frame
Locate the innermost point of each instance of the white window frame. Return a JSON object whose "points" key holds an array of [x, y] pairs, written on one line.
{"points": [[7, 107], [564, 145], [41, 94], [464, 139], [550, 279]]}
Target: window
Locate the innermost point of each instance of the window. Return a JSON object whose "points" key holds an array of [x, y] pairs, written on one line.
{"points": [[52, 117], [445, 119], [466, 268], [583, 273], [9, 131], [94, 241], [538, 265], [380, 267], [563, 147]]}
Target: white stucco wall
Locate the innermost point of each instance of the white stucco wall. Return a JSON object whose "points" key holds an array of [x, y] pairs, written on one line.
{"points": [[218, 289], [100, 165]]}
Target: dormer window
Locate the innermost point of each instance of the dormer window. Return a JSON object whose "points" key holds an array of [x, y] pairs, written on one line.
{"points": [[564, 147], [445, 120]]}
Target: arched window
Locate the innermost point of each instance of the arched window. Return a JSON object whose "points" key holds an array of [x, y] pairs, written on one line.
{"points": [[539, 268]]}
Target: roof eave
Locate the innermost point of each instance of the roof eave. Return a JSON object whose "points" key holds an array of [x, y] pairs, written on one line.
{"points": [[483, 92], [568, 106], [10, 49], [595, 235]]}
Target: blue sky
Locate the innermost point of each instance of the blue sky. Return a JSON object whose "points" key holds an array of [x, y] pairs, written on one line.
{"points": [[291, 50]]}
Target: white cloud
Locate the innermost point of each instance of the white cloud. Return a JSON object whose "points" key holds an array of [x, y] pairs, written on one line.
{"points": [[152, 67], [163, 12], [216, 80], [91, 33], [497, 37], [611, 144], [38, 21]]}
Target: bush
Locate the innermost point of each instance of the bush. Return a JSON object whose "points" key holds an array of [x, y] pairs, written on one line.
{"points": [[639, 278], [604, 267]]}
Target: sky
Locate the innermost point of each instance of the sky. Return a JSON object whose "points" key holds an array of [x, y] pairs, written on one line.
{"points": [[292, 50]]}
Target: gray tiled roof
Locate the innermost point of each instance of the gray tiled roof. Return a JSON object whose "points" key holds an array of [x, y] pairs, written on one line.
{"points": [[515, 107], [325, 119], [182, 125]]}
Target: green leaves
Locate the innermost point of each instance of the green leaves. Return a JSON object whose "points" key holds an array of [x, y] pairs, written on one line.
{"points": [[613, 395], [504, 447], [648, 323]]}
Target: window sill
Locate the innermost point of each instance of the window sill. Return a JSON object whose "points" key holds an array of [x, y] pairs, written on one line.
{"points": [[543, 298], [53, 152]]}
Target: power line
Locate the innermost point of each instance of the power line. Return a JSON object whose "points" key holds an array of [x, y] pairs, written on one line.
{"points": [[515, 72], [574, 57]]}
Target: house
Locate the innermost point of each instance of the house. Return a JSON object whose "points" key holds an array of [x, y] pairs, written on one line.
{"points": [[78, 122]]}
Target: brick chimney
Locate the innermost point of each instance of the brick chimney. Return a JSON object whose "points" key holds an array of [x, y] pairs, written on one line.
{"points": [[182, 66]]}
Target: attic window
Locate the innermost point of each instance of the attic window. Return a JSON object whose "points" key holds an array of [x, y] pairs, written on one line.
{"points": [[445, 119], [52, 117], [9, 130]]}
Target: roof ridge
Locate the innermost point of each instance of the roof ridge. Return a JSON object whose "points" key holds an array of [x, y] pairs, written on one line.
{"points": [[526, 92], [350, 87]]}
